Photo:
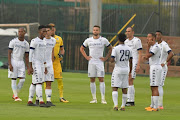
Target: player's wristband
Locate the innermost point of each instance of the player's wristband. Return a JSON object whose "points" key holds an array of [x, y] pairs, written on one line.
{"points": [[165, 63], [60, 55], [45, 65]]}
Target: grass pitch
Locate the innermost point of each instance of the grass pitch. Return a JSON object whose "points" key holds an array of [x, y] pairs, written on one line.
{"points": [[77, 91]]}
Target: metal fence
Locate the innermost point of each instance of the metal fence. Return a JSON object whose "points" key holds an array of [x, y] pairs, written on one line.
{"points": [[71, 16]]}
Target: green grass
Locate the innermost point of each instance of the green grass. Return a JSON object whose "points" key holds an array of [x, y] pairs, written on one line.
{"points": [[77, 91]]}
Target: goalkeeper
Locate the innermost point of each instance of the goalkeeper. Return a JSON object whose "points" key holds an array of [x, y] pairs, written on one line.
{"points": [[58, 56]]}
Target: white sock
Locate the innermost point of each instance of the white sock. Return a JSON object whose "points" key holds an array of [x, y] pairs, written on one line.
{"points": [[93, 89], [155, 99], [115, 98], [20, 84], [130, 93], [32, 89], [152, 102], [160, 89], [48, 94], [14, 88], [124, 98], [39, 92], [102, 90]]}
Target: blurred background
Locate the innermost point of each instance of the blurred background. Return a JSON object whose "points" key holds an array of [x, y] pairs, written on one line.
{"points": [[74, 20]]}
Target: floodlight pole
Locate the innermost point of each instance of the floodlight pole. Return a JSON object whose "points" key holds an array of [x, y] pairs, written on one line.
{"points": [[95, 13]]}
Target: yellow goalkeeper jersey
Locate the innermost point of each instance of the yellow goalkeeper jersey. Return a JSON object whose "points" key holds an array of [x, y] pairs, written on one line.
{"points": [[56, 64]]}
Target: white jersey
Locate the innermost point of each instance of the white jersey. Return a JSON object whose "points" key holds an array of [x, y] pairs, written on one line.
{"points": [[96, 47], [122, 53], [156, 51], [165, 49], [50, 43], [19, 48], [39, 47], [135, 45]]}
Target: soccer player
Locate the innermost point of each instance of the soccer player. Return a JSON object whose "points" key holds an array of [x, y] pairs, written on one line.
{"points": [[135, 44], [153, 54], [121, 55], [58, 56], [96, 60], [49, 55], [18, 48], [166, 55], [38, 66]]}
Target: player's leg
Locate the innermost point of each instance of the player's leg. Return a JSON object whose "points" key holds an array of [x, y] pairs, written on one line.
{"points": [[92, 73], [102, 89], [131, 89], [160, 88], [155, 76], [124, 85], [93, 89], [115, 97], [21, 75], [124, 98], [100, 75], [32, 90]]}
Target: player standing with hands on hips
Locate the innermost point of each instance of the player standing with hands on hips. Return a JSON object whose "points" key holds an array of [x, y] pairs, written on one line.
{"points": [[96, 45]]}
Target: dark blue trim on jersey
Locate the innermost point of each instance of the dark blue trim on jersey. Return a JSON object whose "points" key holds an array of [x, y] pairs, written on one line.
{"points": [[32, 48], [83, 46], [139, 49], [151, 53], [11, 48], [61, 46], [108, 45], [26, 52], [169, 51], [112, 56], [131, 57]]}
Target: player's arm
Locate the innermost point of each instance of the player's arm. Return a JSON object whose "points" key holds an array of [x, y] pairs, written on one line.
{"points": [[61, 54], [130, 67], [139, 60], [170, 55], [113, 56], [9, 59], [53, 55], [84, 53], [31, 52], [27, 60], [112, 59], [109, 52]]}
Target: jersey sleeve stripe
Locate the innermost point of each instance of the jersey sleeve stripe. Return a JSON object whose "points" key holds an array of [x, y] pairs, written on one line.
{"points": [[108, 45], [26, 52], [169, 51], [62, 46], [83, 46], [11, 48], [151, 53], [112, 56], [131, 57], [139, 49], [32, 48]]}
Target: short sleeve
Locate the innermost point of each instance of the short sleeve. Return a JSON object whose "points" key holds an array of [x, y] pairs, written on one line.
{"points": [[27, 47], [166, 48], [138, 44], [107, 44], [154, 50], [85, 43], [32, 44], [113, 54], [54, 42], [11, 44], [61, 44]]}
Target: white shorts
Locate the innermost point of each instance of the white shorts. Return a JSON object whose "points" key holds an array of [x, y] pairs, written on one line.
{"points": [[38, 73], [133, 72], [18, 69], [155, 75], [163, 75], [50, 75], [119, 80], [96, 70]]}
